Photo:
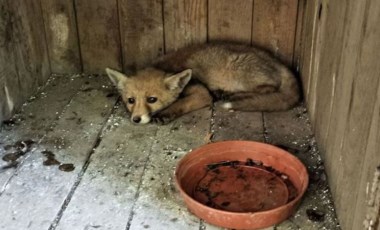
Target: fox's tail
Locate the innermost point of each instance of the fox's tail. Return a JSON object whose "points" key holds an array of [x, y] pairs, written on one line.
{"points": [[284, 98]]}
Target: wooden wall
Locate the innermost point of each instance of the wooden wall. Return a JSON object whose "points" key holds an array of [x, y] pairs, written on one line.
{"points": [[24, 63], [340, 72], [89, 35]]}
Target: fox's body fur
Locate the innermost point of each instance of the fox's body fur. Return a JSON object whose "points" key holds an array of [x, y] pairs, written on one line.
{"points": [[248, 78]]}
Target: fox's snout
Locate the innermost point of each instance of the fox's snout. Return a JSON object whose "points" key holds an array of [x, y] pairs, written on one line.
{"points": [[143, 119]]}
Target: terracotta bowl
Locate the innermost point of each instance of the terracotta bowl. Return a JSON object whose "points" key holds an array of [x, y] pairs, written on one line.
{"points": [[197, 169]]}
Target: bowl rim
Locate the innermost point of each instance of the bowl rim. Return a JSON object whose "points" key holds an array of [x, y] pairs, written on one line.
{"points": [[287, 205]]}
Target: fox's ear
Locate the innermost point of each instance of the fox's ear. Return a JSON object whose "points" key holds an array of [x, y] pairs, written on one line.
{"points": [[179, 80], [116, 77]]}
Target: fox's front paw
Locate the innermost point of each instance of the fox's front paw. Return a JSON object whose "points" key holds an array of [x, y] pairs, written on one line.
{"points": [[163, 118]]}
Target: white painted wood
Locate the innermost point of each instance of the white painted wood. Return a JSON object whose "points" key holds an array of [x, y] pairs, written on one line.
{"points": [[159, 205], [39, 116], [35, 194], [106, 194], [128, 181]]}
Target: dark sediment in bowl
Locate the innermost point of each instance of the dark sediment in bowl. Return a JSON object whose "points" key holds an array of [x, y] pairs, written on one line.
{"points": [[191, 170]]}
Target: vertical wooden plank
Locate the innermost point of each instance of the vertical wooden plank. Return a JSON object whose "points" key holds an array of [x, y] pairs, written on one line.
{"points": [[141, 32], [9, 86], [35, 45], [230, 20], [29, 45], [364, 87], [274, 26], [9, 89], [98, 28], [317, 45], [4, 111], [341, 109], [41, 61], [340, 53], [24, 59], [309, 34], [371, 162], [185, 23], [61, 35], [22, 49], [298, 36], [328, 72]]}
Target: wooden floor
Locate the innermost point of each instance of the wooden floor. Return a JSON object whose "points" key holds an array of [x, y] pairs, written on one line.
{"points": [[122, 177]]}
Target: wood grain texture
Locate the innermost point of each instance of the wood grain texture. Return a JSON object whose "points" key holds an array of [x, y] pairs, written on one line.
{"points": [[309, 33], [62, 36], [118, 183], [364, 89], [33, 25], [98, 28], [39, 117], [274, 26], [341, 106], [9, 85], [30, 44], [370, 163], [43, 204], [328, 67], [318, 36], [24, 59], [343, 79], [159, 203], [22, 50], [4, 108], [141, 32], [185, 23], [230, 20], [298, 36]]}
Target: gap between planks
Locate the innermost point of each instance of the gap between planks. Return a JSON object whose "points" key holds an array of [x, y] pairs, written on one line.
{"points": [[46, 177], [83, 170], [137, 194], [53, 123]]}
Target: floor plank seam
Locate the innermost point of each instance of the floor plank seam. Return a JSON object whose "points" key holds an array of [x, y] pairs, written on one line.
{"points": [[137, 194], [53, 124], [202, 225], [212, 122], [265, 130], [83, 170]]}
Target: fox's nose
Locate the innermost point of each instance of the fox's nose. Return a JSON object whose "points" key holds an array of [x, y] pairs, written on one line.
{"points": [[136, 119]]}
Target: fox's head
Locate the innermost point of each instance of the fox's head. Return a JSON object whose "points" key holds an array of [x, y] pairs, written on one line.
{"points": [[149, 91]]}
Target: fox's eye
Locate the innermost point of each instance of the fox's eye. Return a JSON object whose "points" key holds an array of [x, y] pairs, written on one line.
{"points": [[131, 100], [151, 99]]}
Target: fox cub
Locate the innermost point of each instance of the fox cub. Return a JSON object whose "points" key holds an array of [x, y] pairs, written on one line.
{"points": [[245, 78]]}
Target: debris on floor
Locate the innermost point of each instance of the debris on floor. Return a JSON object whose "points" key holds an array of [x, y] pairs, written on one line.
{"points": [[71, 159]]}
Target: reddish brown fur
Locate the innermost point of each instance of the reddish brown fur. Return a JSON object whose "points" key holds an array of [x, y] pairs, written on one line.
{"points": [[253, 79]]}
